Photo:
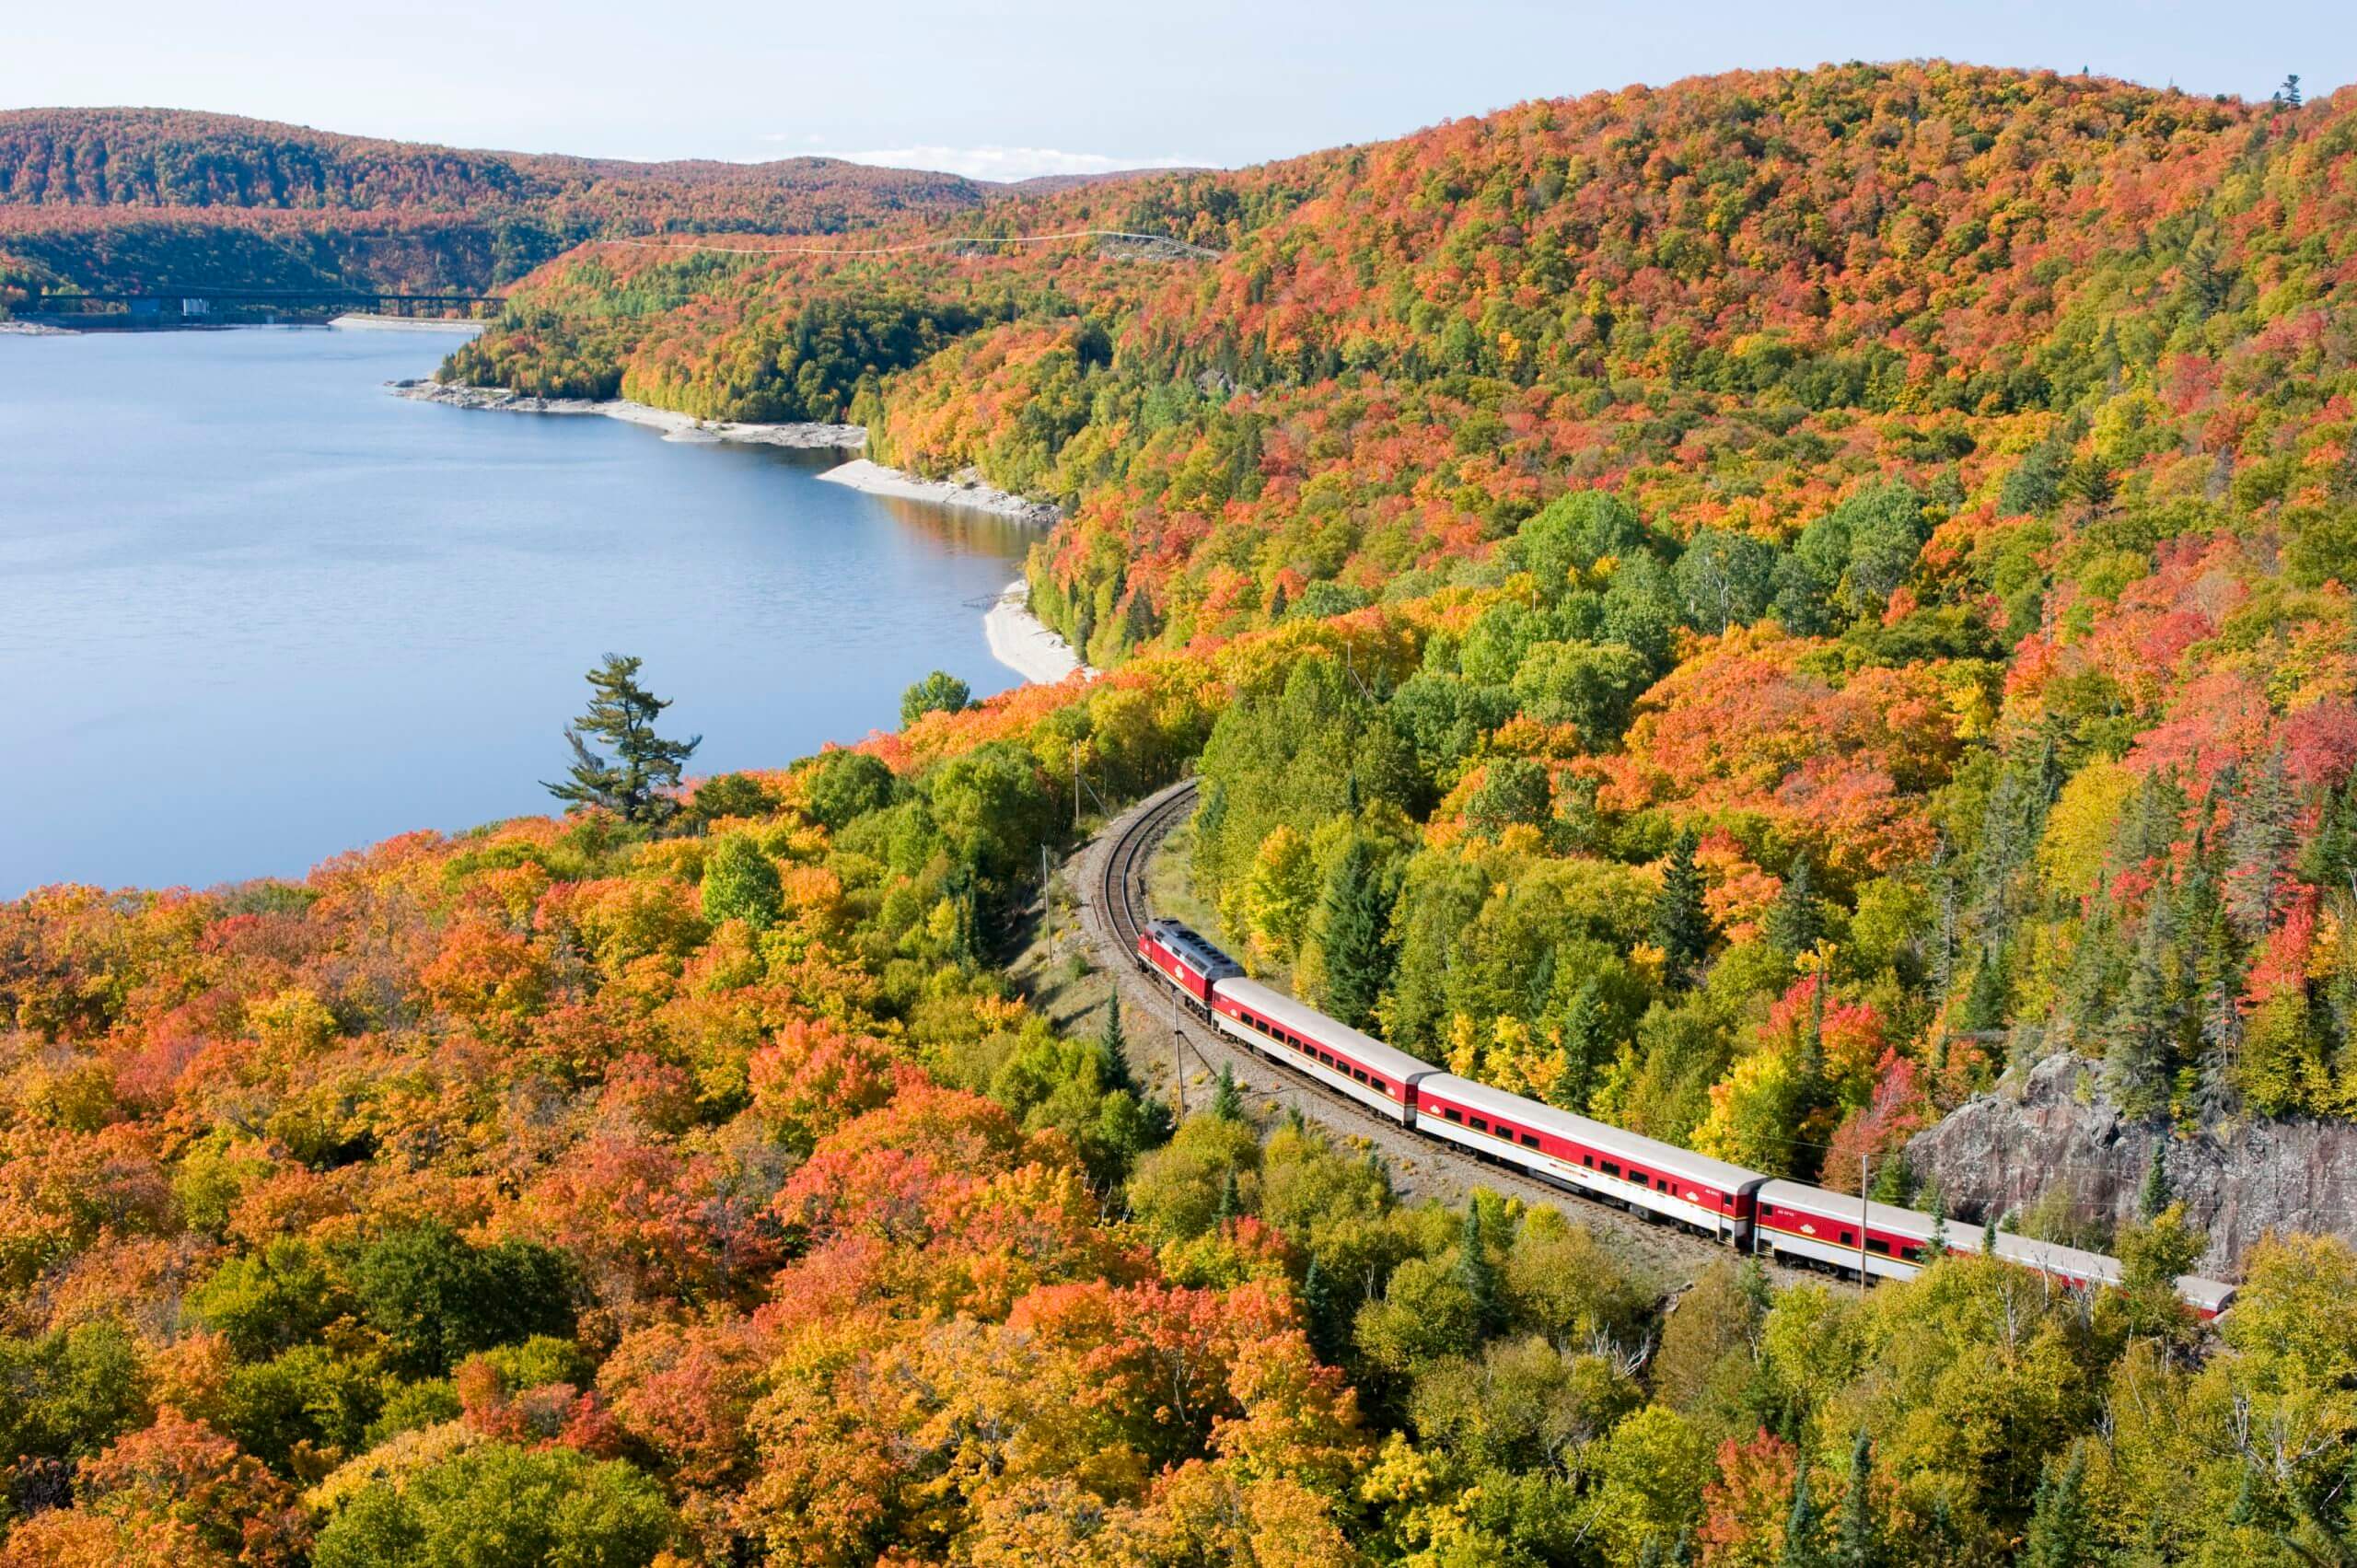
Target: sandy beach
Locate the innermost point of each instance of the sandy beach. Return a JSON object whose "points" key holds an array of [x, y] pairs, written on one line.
{"points": [[1023, 642], [966, 490], [362, 321]]}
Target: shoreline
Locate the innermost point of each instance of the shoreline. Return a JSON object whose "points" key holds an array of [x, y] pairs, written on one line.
{"points": [[1018, 640], [367, 321], [966, 490], [674, 426], [1025, 644]]}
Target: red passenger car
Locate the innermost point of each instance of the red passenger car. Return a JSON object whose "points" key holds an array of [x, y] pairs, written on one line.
{"points": [[1312, 1044]]}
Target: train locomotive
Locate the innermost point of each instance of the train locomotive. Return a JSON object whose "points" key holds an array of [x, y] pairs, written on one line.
{"points": [[1744, 1209]]}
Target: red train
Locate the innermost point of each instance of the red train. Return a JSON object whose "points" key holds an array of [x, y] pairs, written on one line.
{"points": [[1743, 1208]]}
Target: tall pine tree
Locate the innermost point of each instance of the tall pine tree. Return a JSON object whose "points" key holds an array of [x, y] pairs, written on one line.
{"points": [[638, 781]]}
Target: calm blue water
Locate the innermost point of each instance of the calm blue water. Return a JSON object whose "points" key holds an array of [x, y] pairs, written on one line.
{"points": [[254, 610]]}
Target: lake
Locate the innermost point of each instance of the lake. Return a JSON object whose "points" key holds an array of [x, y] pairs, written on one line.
{"points": [[254, 610]]}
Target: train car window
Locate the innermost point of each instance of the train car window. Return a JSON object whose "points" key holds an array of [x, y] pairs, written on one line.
{"points": [[1610, 1168], [1360, 1073], [1325, 1058], [1848, 1240], [1588, 1160], [1450, 1111], [1478, 1124], [1639, 1177], [1912, 1254], [1875, 1244], [1661, 1182], [1529, 1141]]}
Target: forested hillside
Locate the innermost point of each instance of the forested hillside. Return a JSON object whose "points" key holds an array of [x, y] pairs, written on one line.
{"points": [[1904, 507], [1759, 610], [117, 197], [569, 1191]]}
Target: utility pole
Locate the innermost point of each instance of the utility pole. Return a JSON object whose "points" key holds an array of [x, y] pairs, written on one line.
{"points": [[1862, 1222], [1178, 1060], [1047, 904]]}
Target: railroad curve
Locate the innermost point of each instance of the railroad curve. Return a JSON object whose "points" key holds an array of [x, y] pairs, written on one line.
{"points": [[1166, 1044]]}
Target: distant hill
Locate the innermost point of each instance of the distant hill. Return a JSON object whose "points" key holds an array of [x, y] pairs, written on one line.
{"points": [[148, 197]]}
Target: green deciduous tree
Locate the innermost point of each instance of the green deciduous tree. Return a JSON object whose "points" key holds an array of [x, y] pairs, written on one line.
{"points": [[939, 692], [502, 1506], [437, 1299], [741, 882]]}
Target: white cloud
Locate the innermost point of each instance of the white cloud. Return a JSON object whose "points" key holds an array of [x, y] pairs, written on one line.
{"points": [[1008, 163]]}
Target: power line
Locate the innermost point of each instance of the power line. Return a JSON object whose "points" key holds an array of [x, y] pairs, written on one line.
{"points": [[1197, 250]]}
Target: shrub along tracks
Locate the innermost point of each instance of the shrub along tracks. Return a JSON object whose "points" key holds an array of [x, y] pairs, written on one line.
{"points": [[1169, 1049]]}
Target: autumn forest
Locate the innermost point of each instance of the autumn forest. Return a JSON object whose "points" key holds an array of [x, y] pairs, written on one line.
{"points": [[1764, 612]]}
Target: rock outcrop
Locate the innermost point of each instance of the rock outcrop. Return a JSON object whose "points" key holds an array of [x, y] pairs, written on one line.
{"points": [[2008, 1148]]}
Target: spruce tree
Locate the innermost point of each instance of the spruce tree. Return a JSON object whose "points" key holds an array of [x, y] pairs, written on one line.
{"points": [[1318, 1310], [637, 781], [2058, 1524], [1682, 929], [1585, 1048], [2154, 1195], [2259, 846], [1115, 1043], [1793, 923], [1859, 1546], [1231, 1201], [2329, 859], [2139, 1057], [1476, 1273], [1800, 1525], [1227, 1099], [1357, 940]]}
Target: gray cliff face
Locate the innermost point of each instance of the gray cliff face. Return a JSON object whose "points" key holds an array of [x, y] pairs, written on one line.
{"points": [[2238, 1182]]}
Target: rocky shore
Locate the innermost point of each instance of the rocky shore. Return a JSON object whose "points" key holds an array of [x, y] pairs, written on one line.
{"points": [[674, 426]]}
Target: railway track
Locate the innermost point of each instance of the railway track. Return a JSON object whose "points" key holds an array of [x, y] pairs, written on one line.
{"points": [[1115, 908]]}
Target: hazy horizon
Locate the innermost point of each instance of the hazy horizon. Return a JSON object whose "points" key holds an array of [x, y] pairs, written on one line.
{"points": [[1015, 90]]}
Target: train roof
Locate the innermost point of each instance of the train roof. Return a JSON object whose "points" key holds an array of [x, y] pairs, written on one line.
{"points": [[1311, 1024], [2212, 1296], [1600, 1135], [2056, 1259], [1187, 943], [2049, 1256], [1909, 1223]]}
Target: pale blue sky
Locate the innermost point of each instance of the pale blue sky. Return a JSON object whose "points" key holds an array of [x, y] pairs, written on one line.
{"points": [[1023, 86]]}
